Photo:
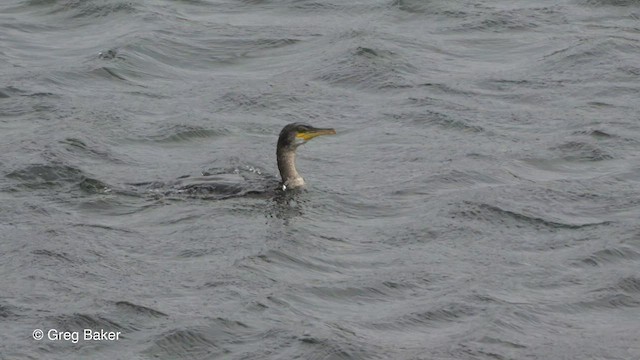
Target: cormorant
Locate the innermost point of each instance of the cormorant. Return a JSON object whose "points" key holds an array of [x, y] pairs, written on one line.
{"points": [[292, 136], [221, 185]]}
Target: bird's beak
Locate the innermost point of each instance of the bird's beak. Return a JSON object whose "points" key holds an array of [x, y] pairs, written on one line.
{"points": [[310, 134]]}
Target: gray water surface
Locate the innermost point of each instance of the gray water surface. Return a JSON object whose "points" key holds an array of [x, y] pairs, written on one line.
{"points": [[479, 201]]}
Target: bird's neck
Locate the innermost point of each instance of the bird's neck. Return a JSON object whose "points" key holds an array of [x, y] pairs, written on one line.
{"points": [[287, 167]]}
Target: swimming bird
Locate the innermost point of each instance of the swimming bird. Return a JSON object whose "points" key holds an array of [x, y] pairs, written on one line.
{"points": [[291, 137], [227, 185]]}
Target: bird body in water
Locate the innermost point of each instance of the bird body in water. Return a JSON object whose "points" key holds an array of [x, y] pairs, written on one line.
{"points": [[291, 137], [221, 186]]}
